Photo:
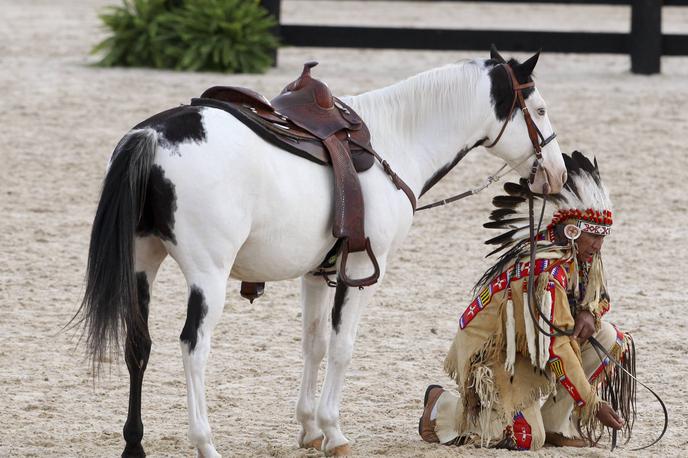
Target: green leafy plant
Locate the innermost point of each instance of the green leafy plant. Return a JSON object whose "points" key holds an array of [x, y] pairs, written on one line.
{"points": [[217, 35]]}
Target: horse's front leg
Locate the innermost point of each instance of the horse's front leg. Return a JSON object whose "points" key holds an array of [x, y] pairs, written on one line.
{"points": [[316, 302], [348, 305]]}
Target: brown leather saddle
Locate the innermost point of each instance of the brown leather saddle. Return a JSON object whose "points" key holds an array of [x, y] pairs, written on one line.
{"points": [[306, 120]]}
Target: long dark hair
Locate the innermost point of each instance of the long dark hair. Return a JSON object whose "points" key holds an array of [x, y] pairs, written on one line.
{"points": [[110, 304]]}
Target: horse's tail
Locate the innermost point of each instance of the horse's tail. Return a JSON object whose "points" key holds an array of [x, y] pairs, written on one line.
{"points": [[110, 305]]}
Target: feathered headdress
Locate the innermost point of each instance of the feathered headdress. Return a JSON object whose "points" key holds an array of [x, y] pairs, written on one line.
{"points": [[583, 202]]}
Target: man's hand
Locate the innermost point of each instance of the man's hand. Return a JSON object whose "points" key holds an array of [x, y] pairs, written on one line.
{"points": [[584, 327], [608, 417]]}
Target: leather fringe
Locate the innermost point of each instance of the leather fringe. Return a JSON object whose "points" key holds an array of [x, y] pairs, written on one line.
{"points": [[510, 360], [538, 344], [530, 331], [484, 386], [624, 387], [545, 301]]}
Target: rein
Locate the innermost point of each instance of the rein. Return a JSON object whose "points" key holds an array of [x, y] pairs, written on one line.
{"points": [[599, 348], [488, 181]]}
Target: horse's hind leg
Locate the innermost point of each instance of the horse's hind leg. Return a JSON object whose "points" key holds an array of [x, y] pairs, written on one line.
{"points": [[149, 253], [207, 288], [316, 300]]}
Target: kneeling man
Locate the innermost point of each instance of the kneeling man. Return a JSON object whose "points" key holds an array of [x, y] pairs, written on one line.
{"points": [[521, 382]]}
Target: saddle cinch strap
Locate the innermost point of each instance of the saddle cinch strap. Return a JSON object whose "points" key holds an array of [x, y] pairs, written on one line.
{"points": [[305, 119]]}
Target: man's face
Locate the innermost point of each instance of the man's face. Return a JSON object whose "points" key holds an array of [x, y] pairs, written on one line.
{"points": [[587, 245]]}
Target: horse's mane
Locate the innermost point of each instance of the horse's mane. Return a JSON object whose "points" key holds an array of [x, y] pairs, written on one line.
{"points": [[447, 89]]}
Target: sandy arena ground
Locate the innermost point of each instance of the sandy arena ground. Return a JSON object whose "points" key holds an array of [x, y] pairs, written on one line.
{"points": [[61, 118]]}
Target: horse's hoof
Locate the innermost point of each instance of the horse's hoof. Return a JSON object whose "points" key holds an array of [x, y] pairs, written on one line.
{"points": [[207, 452], [342, 450], [315, 443], [133, 451]]}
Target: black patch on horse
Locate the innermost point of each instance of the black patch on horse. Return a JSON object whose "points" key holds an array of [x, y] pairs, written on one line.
{"points": [[339, 295], [177, 125], [143, 293], [195, 312], [137, 353], [157, 217], [437, 176], [501, 92]]}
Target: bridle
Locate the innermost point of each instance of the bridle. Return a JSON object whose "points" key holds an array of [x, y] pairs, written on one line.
{"points": [[536, 137]]}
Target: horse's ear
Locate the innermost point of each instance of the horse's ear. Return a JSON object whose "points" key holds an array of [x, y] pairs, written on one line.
{"points": [[494, 54], [528, 66]]}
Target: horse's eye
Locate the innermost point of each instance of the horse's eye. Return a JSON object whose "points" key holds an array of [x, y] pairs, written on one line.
{"points": [[541, 111]]}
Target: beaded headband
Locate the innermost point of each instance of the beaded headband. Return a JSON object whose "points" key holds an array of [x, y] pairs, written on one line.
{"points": [[591, 221]]}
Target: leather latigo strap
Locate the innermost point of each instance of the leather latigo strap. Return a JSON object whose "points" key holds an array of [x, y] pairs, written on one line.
{"points": [[349, 212], [348, 196]]}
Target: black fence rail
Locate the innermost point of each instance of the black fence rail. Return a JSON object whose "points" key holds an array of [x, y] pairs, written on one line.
{"points": [[565, 2], [645, 43]]}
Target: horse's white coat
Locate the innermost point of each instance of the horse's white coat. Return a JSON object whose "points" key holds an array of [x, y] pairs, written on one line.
{"points": [[247, 209]]}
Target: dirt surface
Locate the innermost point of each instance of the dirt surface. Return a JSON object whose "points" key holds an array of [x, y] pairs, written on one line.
{"points": [[61, 118]]}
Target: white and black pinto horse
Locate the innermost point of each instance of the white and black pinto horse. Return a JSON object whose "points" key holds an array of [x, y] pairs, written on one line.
{"points": [[198, 185]]}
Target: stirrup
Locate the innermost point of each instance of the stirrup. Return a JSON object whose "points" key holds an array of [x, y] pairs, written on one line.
{"points": [[358, 283]]}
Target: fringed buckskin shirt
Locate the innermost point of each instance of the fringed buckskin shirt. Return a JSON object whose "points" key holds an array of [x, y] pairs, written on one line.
{"points": [[501, 362]]}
